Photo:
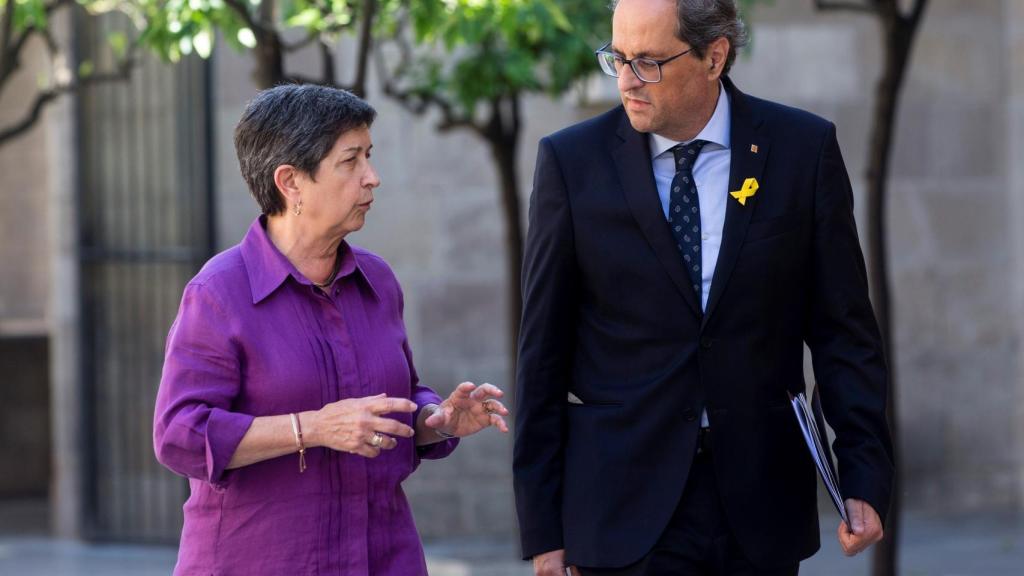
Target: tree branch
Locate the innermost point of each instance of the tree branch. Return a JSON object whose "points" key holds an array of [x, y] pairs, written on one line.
{"points": [[300, 44], [419, 101], [23, 125], [10, 52], [44, 97], [6, 29], [258, 27], [66, 82], [916, 12], [327, 64], [8, 56]]}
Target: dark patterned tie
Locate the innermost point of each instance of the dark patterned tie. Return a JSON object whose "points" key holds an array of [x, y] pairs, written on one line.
{"points": [[684, 211]]}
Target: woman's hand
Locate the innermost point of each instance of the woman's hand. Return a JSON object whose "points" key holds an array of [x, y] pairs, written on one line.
{"points": [[357, 425], [468, 410]]}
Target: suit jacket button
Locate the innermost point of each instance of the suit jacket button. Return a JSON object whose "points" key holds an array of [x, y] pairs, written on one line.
{"points": [[689, 414], [706, 343]]}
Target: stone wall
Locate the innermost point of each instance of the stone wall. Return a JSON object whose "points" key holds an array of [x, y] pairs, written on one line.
{"points": [[25, 280], [1013, 50], [951, 222]]}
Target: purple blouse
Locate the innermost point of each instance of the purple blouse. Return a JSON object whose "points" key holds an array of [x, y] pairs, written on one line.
{"points": [[253, 337]]}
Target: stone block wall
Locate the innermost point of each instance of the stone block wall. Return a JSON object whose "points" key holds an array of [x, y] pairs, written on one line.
{"points": [[953, 210]]}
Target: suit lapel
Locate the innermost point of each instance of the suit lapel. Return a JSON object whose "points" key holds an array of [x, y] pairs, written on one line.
{"points": [[749, 152], [633, 161]]}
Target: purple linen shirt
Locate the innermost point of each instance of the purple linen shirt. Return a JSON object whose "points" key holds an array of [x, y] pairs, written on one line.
{"points": [[253, 337]]}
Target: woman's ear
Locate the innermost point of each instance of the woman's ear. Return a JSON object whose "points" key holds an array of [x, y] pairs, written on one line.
{"points": [[286, 178]]}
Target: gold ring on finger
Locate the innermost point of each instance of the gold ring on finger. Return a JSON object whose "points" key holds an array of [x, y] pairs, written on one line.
{"points": [[377, 440], [489, 406]]}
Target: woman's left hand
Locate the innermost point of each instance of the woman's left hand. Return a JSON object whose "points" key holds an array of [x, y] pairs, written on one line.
{"points": [[469, 409]]}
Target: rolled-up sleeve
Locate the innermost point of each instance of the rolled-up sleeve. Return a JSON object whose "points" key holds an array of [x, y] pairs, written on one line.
{"points": [[195, 433]]}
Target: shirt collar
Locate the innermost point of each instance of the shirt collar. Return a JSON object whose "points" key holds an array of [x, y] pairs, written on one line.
{"points": [[716, 131], [268, 268]]}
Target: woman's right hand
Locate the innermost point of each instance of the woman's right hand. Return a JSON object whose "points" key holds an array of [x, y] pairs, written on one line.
{"points": [[357, 425]]}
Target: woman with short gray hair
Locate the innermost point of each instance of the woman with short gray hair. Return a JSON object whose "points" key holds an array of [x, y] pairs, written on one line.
{"points": [[289, 397]]}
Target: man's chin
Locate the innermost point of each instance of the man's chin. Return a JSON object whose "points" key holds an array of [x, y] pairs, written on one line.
{"points": [[640, 122]]}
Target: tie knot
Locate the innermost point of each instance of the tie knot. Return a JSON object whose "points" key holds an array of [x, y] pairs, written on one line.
{"points": [[686, 154]]}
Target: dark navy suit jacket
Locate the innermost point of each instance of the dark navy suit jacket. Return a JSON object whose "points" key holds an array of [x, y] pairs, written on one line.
{"points": [[610, 316]]}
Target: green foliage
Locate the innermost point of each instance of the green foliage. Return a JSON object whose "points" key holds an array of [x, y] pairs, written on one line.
{"points": [[174, 28], [468, 51], [27, 13], [476, 51]]}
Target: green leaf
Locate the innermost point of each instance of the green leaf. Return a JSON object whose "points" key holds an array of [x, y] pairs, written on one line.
{"points": [[246, 38], [203, 43], [86, 69], [29, 14], [118, 44], [306, 18]]}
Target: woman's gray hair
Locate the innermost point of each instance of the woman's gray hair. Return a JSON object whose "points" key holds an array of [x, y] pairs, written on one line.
{"points": [[701, 22], [295, 125]]}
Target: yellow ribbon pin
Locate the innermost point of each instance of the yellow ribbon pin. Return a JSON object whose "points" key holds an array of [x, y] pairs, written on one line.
{"points": [[750, 187]]}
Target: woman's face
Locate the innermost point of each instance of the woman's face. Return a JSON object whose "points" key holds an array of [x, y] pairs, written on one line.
{"points": [[336, 201]]}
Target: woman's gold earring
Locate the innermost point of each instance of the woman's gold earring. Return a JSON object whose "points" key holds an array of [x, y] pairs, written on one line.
{"points": [[298, 208]]}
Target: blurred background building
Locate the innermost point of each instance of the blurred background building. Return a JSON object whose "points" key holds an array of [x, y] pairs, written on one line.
{"points": [[117, 196]]}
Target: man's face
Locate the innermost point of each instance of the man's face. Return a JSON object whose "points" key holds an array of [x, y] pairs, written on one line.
{"points": [[672, 107]]}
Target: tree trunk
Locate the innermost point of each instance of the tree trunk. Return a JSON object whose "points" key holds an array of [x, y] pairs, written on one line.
{"points": [[269, 55], [898, 38], [269, 51], [502, 133]]}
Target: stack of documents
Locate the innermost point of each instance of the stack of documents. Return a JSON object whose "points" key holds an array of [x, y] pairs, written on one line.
{"points": [[813, 430]]}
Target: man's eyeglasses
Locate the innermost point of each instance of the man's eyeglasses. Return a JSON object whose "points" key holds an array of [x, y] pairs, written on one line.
{"points": [[646, 69]]}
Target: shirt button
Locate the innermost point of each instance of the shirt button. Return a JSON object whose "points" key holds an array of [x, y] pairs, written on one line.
{"points": [[704, 236]]}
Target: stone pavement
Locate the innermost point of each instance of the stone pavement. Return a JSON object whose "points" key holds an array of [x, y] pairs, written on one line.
{"points": [[980, 545]]}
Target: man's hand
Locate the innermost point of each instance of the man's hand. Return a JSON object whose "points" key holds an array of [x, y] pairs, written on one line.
{"points": [[865, 529], [552, 564]]}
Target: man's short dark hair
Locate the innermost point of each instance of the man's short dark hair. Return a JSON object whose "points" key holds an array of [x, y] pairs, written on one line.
{"points": [[701, 22], [296, 125]]}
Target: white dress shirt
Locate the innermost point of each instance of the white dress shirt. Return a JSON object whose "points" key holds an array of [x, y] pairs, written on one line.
{"points": [[711, 175]]}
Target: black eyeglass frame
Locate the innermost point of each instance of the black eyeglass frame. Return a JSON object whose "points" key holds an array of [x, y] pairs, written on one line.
{"points": [[603, 51]]}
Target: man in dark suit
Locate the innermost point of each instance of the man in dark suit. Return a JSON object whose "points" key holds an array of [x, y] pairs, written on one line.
{"points": [[682, 249]]}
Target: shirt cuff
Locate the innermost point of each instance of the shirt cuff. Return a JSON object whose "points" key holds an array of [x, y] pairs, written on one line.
{"points": [[437, 450], [224, 432]]}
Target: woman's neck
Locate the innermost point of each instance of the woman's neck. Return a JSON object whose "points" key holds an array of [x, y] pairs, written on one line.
{"points": [[313, 255]]}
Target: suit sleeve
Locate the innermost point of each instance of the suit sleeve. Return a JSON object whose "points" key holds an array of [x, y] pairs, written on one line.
{"points": [[846, 346], [546, 350]]}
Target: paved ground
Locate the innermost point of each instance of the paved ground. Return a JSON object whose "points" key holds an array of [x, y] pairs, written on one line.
{"points": [[989, 545]]}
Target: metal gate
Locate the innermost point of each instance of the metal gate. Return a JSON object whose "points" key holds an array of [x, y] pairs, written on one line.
{"points": [[146, 223]]}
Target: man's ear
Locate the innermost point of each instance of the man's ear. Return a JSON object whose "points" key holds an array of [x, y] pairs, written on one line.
{"points": [[715, 56]]}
